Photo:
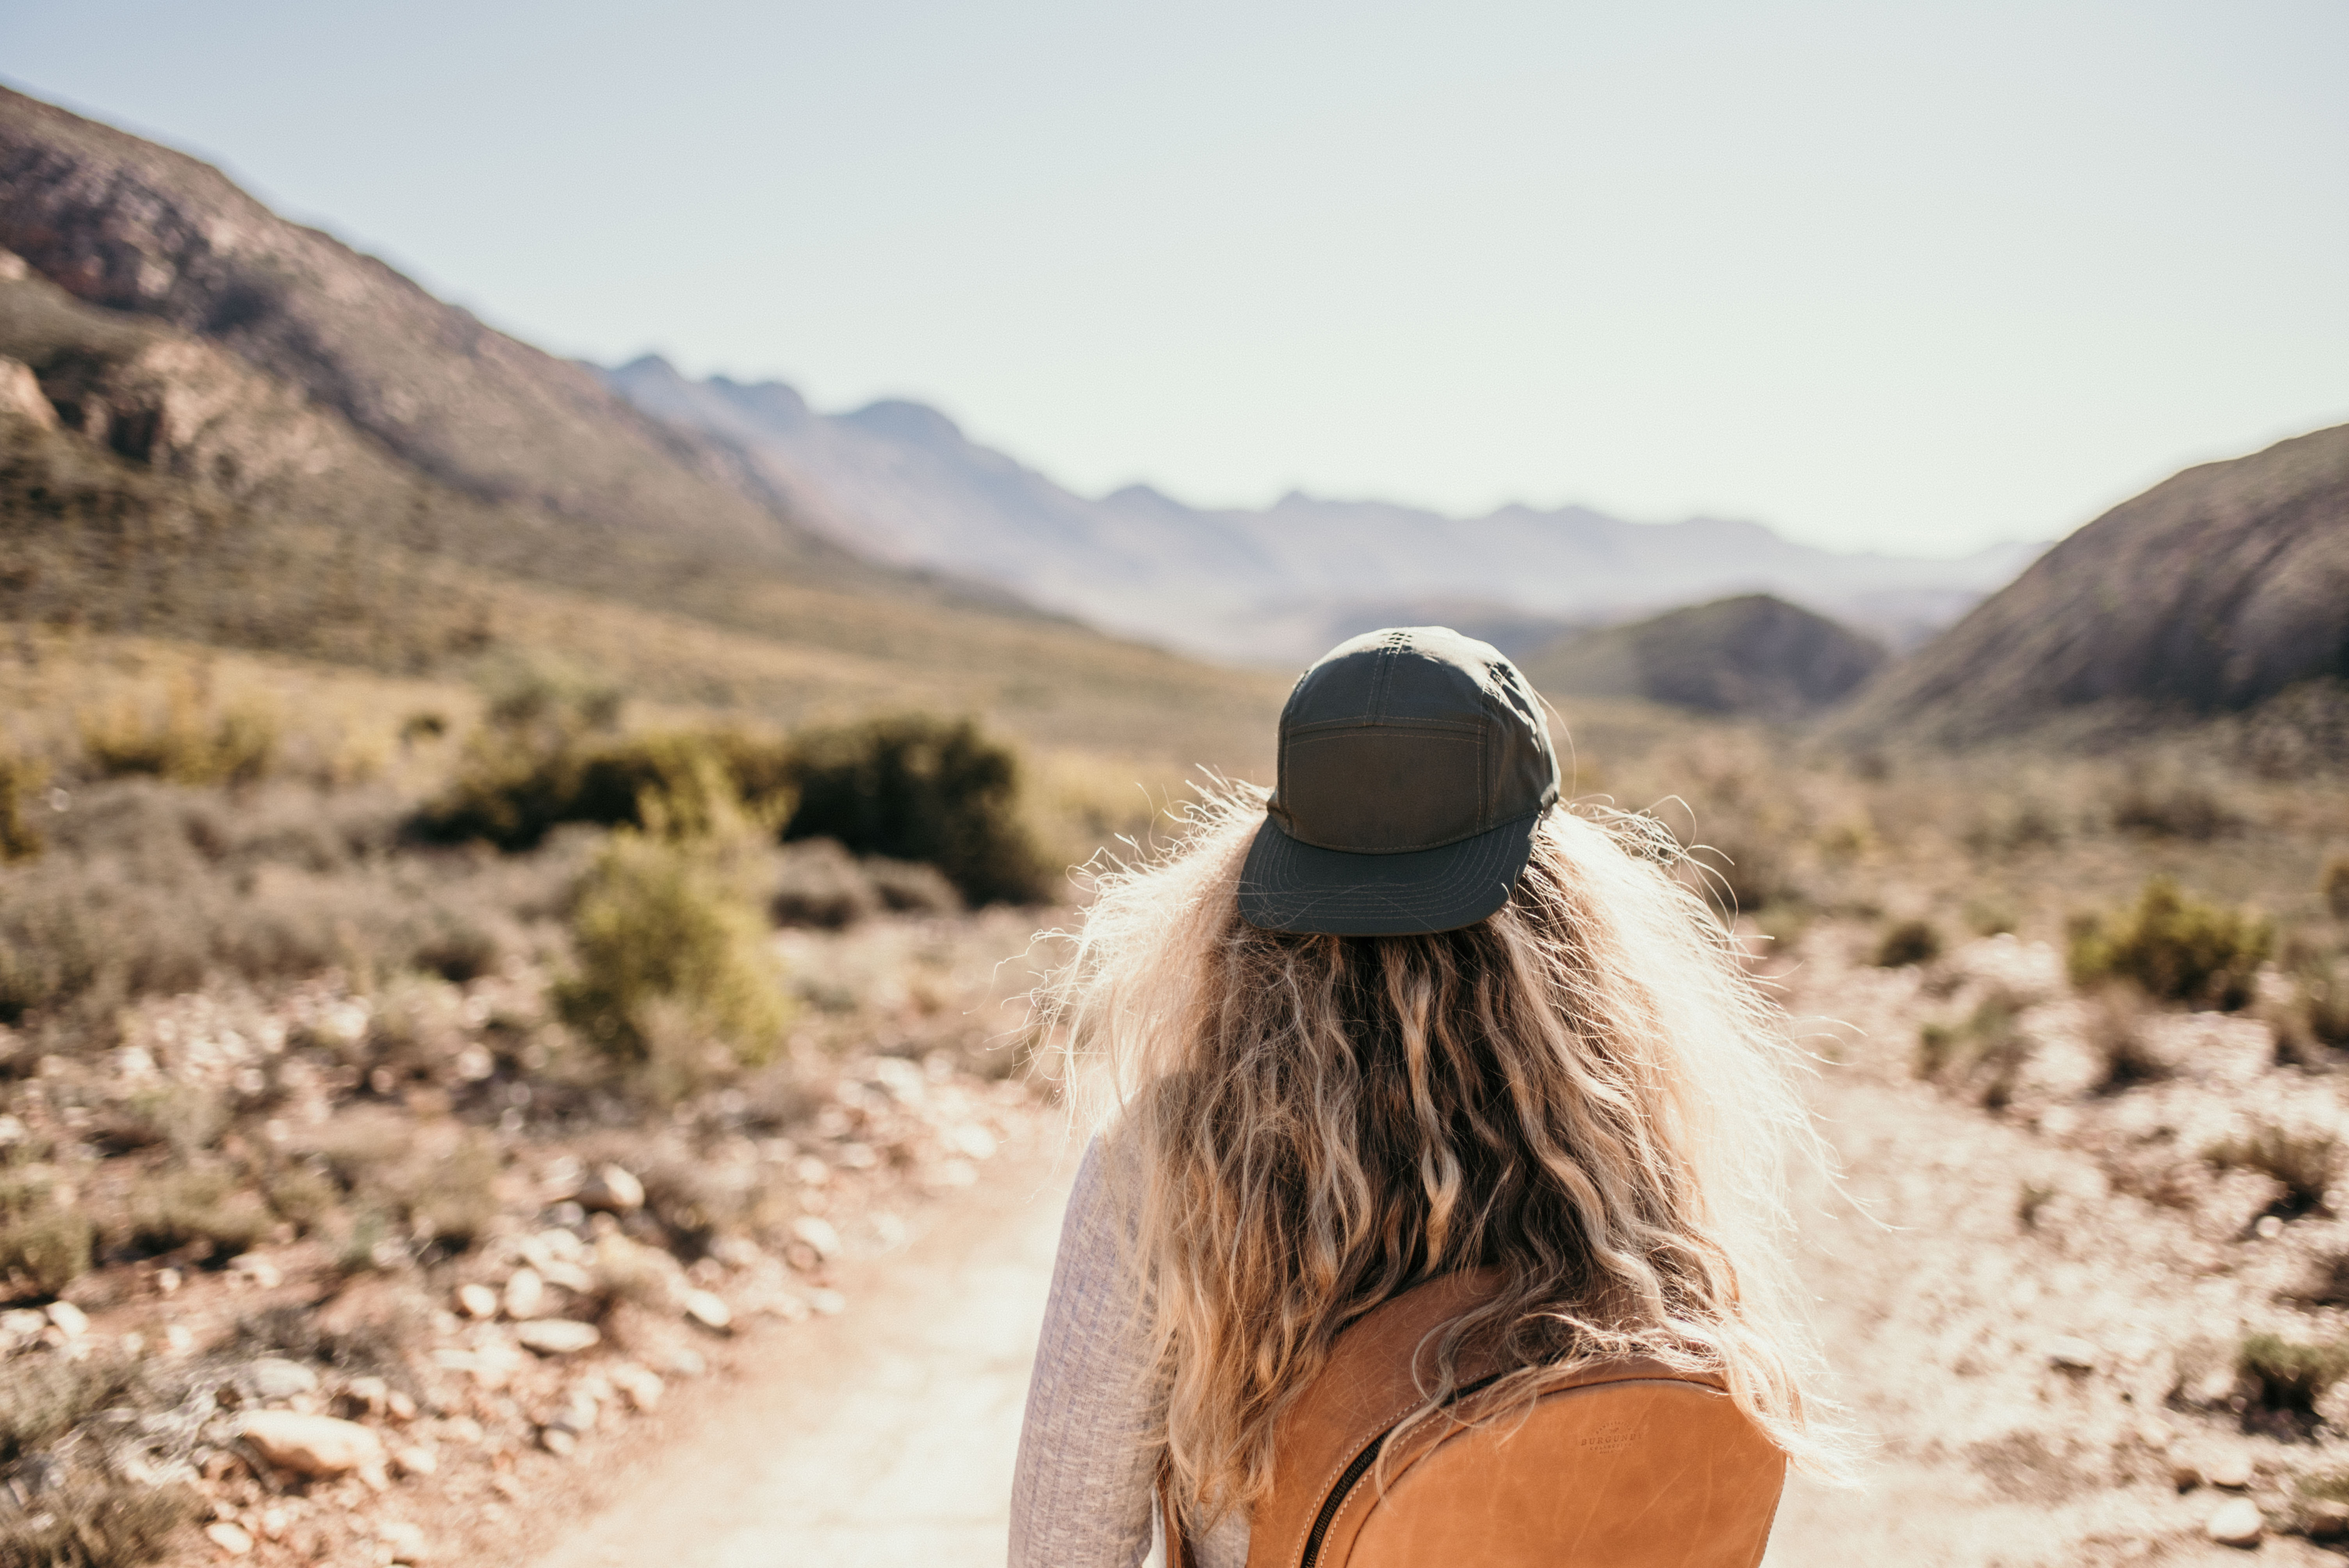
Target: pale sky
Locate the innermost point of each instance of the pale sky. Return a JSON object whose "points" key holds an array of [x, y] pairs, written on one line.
{"points": [[1905, 276]]}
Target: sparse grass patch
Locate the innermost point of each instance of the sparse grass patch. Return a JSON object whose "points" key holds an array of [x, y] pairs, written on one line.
{"points": [[2290, 1376], [2185, 808], [1908, 943], [2306, 1163], [98, 1525], [1979, 1056], [184, 744], [2115, 1033], [21, 779], [2178, 949], [204, 1207], [43, 1397], [2332, 886], [44, 1246]]}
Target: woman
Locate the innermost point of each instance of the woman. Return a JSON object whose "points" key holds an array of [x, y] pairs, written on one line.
{"points": [[1407, 1016]]}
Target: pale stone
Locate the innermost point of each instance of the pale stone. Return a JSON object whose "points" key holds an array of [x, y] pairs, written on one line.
{"points": [[20, 395], [818, 1233], [406, 1540], [557, 1335], [708, 1309], [230, 1537], [258, 1270], [313, 1445], [273, 1379], [415, 1458], [640, 1386], [2232, 1471], [827, 1303], [614, 1189], [2068, 1354], [558, 1441], [2236, 1522], [477, 1301], [525, 1293], [71, 1321]]}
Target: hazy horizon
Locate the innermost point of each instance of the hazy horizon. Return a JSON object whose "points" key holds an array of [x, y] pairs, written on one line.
{"points": [[1914, 283]]}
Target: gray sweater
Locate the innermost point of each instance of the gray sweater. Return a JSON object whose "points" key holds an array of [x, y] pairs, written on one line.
{"points": [[1096, 1421]]}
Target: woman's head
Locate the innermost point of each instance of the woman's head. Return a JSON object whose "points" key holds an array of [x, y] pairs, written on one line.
{"points": [[1581, 1090]]}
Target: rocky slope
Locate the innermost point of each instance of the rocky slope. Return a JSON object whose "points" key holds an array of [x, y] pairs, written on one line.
{"points": [[1753, 656], [900, 480], [140, 229], [2213, 593]]}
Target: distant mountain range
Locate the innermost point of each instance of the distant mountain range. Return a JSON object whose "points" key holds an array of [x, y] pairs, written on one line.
{"points": [[1753, 656], [898, 482]]}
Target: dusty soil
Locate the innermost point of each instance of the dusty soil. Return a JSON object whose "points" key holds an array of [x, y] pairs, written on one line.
{"points": [[2040, 1358]]}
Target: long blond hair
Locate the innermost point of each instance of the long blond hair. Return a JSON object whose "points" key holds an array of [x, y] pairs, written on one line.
{"points": [[1584, 1090]]}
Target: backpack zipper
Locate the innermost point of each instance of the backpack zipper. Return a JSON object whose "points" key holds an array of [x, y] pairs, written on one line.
{"points": [[1358, 1467]]}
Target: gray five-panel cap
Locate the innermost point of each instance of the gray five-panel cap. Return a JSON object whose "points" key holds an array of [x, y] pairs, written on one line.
{"points": [[1415, 764]]}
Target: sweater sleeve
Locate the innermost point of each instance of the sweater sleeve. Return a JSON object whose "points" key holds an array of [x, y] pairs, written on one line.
{"points": [[1089, 1447]]}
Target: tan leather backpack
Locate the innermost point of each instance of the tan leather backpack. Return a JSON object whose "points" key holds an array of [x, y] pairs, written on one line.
{"points": [[1625, 1464]]}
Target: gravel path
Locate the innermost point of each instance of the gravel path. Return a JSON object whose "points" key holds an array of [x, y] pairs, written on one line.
{"points": [[886, 1439]]}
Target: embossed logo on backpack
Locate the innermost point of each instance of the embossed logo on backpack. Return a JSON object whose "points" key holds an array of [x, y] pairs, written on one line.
{"points": [[1613, 1438]]}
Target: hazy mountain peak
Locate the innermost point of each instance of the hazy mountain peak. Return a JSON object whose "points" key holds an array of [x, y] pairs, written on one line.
{"points": [[901, 420]]}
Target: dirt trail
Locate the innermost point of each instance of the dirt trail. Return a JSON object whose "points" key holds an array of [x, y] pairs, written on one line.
{"points": [[885, 1437], [881, 1439]]}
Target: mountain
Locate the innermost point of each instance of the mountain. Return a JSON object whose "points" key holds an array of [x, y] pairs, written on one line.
{"points": [[1752, 656], [219, 427], [2212, 592], [1278, 585]]}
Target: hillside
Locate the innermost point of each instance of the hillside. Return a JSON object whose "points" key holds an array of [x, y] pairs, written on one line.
{"points": [[1753, 656], [234, 431], [2210, 594], [1277, 586]]}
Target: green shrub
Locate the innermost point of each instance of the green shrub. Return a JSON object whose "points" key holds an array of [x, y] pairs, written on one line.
{"points": [[2333, 883], [20, 783], [2175, 809], [667, 922], [2306, 1163], [2290, 1377], [2176, 948], [1910, 941], [98, 1525], [511, 789], [43, 1397], [916, 788]]}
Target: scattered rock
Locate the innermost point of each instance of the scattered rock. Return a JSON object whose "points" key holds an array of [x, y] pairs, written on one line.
{"points": [[2236, 1522], [817, 1233], [273, 1378], [314, 1445], [406, 1540], [614, 1189], [828, 1302], [2183, 1473], [525, 1293], [415, 1460], [2324, 1520], [2232, 1471], [2066, 1354], [477, 1301], [70, 1319], [256, 1270], [560, 1442], [557, 1335], [708, 1309], [230, 1537], [640, 1386], [368, 1395]]}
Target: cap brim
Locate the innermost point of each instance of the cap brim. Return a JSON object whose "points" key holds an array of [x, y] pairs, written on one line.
{"points": [[1291, 886]]}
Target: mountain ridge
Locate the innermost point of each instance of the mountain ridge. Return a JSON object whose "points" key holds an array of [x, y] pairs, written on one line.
{"points": [[1272, 585]]}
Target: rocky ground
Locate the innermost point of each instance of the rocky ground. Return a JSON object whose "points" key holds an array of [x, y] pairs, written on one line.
{"points": [[2097, 1319]]}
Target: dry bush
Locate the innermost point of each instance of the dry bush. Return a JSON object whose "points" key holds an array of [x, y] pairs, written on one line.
{"points": [[184, 744], [375, 1345], [817, 883], [1742, 875], [2306, 1163], [2289, 1376], [147, 888], [442, 1194], [2115, 1035], [2332, 886], [43, 1397], [202, 1207], [44, 1245], [186, 1119], [2173, 808], [102, 1524], [1908, 943], [2178, 949], [1979, 1057], [2328, 1281], [21, 782]]}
